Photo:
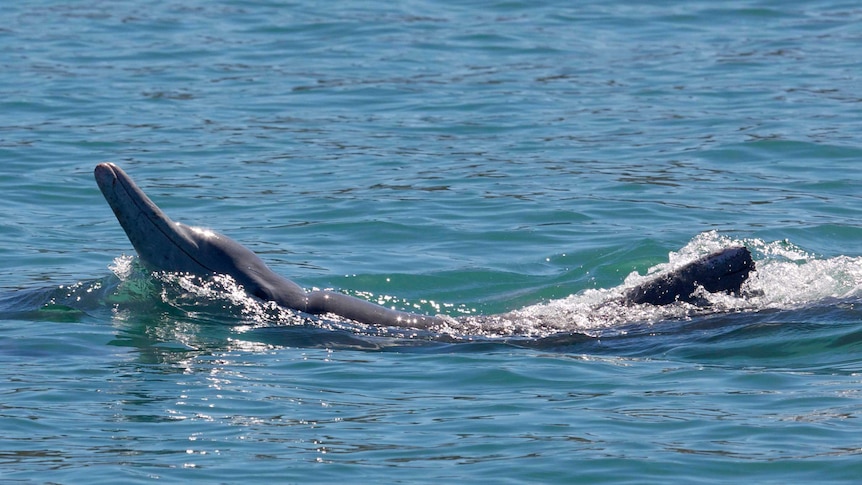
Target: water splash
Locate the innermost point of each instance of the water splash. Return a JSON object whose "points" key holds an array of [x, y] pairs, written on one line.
{"points": [[782, 283], [122, 267], [787, 277]]}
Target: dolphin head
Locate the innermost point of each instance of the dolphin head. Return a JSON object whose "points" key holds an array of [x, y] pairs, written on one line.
{"points": [[161, 243], [166, 245]]}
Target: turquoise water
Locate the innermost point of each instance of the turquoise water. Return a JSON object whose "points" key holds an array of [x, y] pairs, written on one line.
{"points": [[455, 157]]}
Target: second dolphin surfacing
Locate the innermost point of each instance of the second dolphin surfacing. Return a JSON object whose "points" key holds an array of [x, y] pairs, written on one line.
{"points": [[165, 245]]}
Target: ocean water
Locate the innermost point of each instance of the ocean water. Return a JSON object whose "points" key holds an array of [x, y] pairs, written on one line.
{"points": [[462, 158]]}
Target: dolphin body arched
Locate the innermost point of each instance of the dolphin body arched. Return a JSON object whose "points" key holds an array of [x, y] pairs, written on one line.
{"points": [[165, 245]]}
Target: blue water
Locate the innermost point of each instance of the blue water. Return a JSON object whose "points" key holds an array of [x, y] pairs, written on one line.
{"points": [[445, 157]]}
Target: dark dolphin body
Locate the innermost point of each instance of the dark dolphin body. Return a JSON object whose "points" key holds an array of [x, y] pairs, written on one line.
{"points": [[163, 244], [722, 271]]}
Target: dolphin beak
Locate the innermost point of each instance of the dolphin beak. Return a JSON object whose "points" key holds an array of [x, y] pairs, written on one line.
{"points": [[130, 204]]}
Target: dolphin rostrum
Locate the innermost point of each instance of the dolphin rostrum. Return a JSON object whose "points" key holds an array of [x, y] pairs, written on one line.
{"points": [[165, 245]]}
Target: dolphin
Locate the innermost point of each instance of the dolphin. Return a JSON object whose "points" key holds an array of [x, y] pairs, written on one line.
{"points": [[722, 271], [165, 245]]}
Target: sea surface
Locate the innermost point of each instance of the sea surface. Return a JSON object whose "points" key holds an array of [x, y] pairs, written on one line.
{"points": [[446, 157]]}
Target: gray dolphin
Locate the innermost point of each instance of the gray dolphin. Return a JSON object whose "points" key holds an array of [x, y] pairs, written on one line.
{"points": [[163, 244]]}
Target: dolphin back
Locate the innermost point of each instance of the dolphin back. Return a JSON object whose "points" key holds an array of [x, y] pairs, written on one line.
{"points": [[722, 271]]}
